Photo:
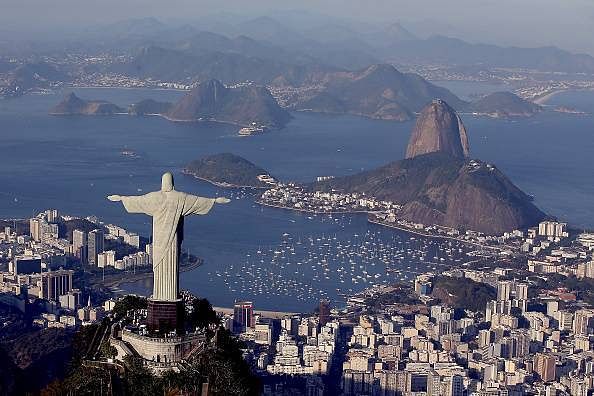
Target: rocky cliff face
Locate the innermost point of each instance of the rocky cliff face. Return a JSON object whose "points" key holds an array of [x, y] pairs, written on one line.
{"points": [[438, 129], [241, 105]]}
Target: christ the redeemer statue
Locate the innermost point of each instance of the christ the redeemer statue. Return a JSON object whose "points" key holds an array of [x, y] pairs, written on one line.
{"points": [[168, 208]]}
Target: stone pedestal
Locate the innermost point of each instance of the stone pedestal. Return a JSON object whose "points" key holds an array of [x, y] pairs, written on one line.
{"points": [[159, 354], [165, 316]]}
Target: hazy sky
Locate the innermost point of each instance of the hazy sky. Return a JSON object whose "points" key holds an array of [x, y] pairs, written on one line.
{"points": [[565, 23]]}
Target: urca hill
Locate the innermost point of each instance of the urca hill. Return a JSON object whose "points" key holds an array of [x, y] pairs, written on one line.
{"points": [[438, 184]]}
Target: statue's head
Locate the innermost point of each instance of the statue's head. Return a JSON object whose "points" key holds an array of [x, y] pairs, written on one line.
{"points": [[167, 182]]}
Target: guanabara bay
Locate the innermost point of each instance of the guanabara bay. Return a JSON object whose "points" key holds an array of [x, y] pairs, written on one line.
{"points": [[331, 198]]}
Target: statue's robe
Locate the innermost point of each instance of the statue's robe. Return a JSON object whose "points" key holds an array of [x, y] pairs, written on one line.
{"points": [[168, 209]]}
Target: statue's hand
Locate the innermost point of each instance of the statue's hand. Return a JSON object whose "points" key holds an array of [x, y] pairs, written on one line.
{"points": [[114, 198], [222, 200]]}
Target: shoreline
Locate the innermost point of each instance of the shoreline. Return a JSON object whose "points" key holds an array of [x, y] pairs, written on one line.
{"points": [[127, 88], [187, 172], [263, 313], [542, 99], [425, 235], [313, 211]]}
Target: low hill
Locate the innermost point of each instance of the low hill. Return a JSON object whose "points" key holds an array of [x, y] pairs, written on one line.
{"points": [[378, 91], [503, 105], [463, 293], [437, 188], [242, 105], [73, 105], [30, 77], [227, 170]]}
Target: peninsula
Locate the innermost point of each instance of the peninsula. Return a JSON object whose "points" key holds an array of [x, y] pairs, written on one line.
{"points": [[438, 184], [503, 105]]}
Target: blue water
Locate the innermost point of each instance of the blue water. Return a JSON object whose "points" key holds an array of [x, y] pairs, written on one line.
{"points": [[72, 163], [470, 90]]}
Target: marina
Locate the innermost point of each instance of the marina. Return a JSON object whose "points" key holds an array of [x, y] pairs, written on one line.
{"points": [[310, 267]]}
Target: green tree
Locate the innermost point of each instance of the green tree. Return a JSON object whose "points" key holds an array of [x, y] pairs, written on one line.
{"points": [[139, 380], [226, 370], [128, 303], [203, 316]]}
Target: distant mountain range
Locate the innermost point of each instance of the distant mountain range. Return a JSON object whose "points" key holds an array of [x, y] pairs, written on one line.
{"points": [[168, 64], [442, 186], [378, 91], [301, 66], [450, 51], [339, 45]]}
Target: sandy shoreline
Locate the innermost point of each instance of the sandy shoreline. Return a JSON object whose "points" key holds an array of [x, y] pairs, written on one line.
{"points": [[541, 100]]}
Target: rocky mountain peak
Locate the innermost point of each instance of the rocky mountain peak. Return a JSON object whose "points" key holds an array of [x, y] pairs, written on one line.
{"points": [[438, 129]]}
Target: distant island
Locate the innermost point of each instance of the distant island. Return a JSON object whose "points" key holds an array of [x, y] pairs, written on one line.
{"points": [[503, 105], [245, 105], [379, 92], [73, 105], [229, 170]]}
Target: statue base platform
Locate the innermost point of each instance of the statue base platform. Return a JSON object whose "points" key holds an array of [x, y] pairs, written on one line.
{"points": [[159, 354], [165, 316]]}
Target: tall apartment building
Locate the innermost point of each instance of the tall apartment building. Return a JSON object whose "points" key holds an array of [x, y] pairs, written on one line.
{"points": [[95, 245], [55, 284], [544, 366], [79, 245], [243, 316], [35, 228]]}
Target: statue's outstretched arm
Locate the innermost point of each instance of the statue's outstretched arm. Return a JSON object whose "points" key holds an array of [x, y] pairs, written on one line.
{"points": [[137, 203], [200, 205]]}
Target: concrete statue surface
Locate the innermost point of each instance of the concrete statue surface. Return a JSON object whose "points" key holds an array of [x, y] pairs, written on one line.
{"points": [[168, 208]]}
